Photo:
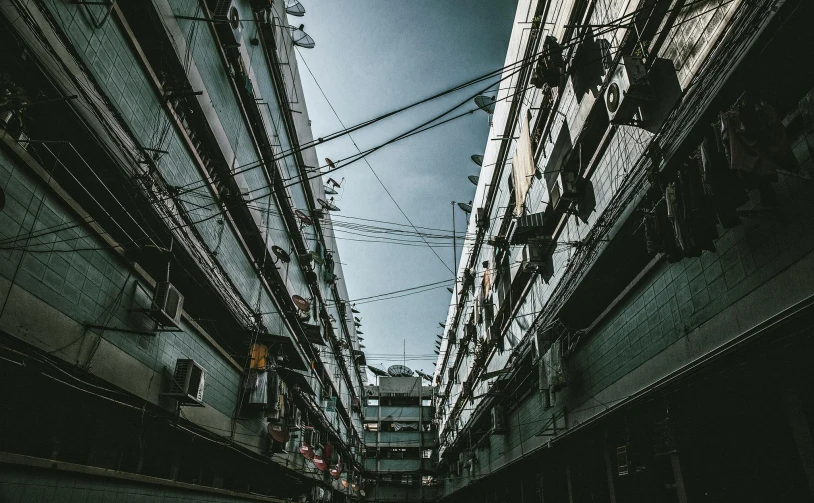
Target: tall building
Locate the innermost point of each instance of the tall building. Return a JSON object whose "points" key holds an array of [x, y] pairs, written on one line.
{"points": [[636, 286], [173, 319], [400, 440]]}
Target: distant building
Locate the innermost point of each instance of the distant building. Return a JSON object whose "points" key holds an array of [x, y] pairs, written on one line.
{"points": [[173, 318], [400, 440], [635, 312]]}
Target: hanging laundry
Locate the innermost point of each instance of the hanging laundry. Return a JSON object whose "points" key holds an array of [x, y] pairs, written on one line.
{"points": [[258, 391], [757, 145], [724, 186], [689, 210], [757, 140]]}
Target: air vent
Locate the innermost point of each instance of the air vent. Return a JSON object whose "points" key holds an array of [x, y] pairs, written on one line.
{"points": [[187, 383], [167, 305], [629, 89]]}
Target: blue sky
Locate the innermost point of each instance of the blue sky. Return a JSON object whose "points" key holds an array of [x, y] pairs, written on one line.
{"points": [[371, 57]]}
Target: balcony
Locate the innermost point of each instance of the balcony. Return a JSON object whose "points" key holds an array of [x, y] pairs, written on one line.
{"points": [[393, 465], [401, 493], [409, 413], [400, 439]]}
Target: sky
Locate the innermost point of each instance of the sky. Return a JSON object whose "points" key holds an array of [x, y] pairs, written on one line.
{"points": [[372, 57]]}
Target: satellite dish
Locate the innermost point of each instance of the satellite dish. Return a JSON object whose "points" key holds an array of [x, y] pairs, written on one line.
{"points": [[359, 332], [400, 371], [294, 8], [330, 190], [486, 103], [307, 451], [423, 375], [331, 181], [320, 463], [281, 254], [378, 372], [303, 218], [301, 303], [279, 433], [442, 325], [330, 206], [474, 179], [300, 38], [477, 159], [466, 207]]}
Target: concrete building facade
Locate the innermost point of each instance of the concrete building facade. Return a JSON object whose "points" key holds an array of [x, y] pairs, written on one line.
{"points": [[636, 288], [173, 317], [400, 440]]}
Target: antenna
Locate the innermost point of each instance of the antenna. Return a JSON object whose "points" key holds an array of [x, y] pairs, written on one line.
{"points": [[294, 8], [300, 38]]}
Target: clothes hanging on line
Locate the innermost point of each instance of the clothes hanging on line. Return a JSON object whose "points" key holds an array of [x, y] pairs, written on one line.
{"points": [[689, 211], [724, 186]]}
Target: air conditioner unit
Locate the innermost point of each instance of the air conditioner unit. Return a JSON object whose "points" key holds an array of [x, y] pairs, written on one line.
{"points": [[296, 422], [498, 420], [629, 88], [528, 227], [482, 219], [226, 12], [167, 305], [187, 383], [467, 386], [564, 190], [535, 253], [451, 375]]}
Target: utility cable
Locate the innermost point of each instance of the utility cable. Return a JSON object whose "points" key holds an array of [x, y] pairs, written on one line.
{"points": [[390, 195]]}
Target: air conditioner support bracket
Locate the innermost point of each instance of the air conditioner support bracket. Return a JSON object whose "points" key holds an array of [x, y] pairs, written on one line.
{"points": [[551, 429], [127, 330]]}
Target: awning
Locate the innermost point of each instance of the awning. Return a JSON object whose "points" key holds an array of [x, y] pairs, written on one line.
{"points": [[314, 334], [292, 358], [296, 378]]}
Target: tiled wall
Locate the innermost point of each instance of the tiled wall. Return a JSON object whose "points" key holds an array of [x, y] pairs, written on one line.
{"points": [[90, 284], [40, 486]]}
